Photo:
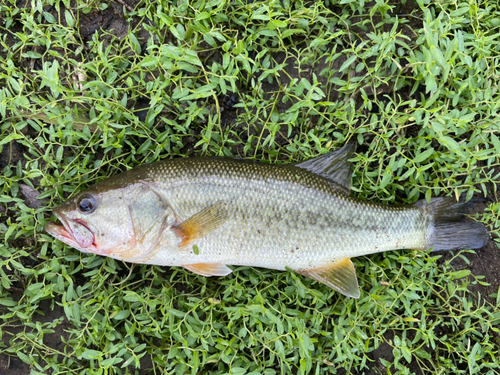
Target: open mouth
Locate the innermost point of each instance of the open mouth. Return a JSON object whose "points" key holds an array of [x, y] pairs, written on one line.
{"points": [[72, 232]]}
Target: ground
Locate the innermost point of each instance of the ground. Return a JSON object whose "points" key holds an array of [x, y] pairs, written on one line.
{"points": [[89, 89]]}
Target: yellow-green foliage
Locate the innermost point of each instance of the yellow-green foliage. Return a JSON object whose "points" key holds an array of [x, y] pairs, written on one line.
{"points": [[415, 85]]}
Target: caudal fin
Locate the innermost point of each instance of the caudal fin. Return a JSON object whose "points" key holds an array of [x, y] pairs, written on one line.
{"points": [[446, 232]]}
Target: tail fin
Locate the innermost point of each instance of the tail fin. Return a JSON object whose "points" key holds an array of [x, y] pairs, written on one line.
{"points": [[446, 232]]}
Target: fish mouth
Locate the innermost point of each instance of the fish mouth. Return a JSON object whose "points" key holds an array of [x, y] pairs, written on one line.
{"points": [[73, 232]]}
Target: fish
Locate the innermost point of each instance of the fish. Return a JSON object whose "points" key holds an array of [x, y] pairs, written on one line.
{"points": [[208, 213]]}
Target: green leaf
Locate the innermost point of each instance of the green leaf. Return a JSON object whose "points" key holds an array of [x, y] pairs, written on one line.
{"points": [[496, 143], [451, 144], [150, 61], [424, 155], [32, 55], [348, 63], [121, 315], [91, 354], [406, 354], [192, 58], [459, 12], [338, 81], [239, 48], [49, 17], [70, 21], [203, 16], [8, 302], [288, 32], [386, 178], [459, 36], [459, 274], [111, 362], [274, 24], [15, 84], [423, 354], [23, 357], [135, 43]]}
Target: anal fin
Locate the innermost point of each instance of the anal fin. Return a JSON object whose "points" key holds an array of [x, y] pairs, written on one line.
{"points": [[339, 275], [209, 269]]}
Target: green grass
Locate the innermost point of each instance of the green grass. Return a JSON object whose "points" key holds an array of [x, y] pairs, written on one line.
{"points": [[415, 85]]}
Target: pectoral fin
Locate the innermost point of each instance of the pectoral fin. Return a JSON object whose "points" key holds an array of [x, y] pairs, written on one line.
{"points": [[201, 224], [209, 269], [339, 275]]}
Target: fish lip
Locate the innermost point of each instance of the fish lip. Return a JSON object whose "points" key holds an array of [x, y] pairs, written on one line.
{"points": [[65, 231], [58, 229]]}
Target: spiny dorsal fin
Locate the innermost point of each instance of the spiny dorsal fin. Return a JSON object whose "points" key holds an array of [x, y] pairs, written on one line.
{"points": [[200, 224], [339, 275], [334, 166], [209, 269]]}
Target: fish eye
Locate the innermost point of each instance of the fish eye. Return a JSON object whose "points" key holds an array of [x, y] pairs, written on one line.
{"points": [[87, 203]]}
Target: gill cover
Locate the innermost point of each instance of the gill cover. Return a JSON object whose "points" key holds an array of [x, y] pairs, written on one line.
{"points": [[150, 215]]}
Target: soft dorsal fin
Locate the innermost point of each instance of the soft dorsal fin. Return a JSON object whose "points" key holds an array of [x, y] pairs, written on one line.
{"points": [[334, 166], [339, 275], [209, 269], [201, 223]]}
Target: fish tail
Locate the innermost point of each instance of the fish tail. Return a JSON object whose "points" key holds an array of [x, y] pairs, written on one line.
{"points": [[446, 232]]}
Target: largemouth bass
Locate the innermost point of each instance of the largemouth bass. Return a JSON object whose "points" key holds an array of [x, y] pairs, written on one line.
{"points": [[206, 213]]}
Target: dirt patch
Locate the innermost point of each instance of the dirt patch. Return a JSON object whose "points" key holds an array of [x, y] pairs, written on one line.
{"points": [[13, 366], [111, 20], [11, 154]]}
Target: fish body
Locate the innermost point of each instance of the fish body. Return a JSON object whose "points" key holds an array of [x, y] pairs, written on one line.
{"points": [[207, 213]]}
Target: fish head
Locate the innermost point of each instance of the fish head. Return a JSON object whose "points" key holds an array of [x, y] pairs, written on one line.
{"points": [[95, 221]]}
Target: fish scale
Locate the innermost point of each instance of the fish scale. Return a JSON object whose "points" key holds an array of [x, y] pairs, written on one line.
{"points": [[289, 221], [207, 213]]}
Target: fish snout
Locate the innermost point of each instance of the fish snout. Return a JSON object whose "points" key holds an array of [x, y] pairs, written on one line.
{"points": [[73, 232]]}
